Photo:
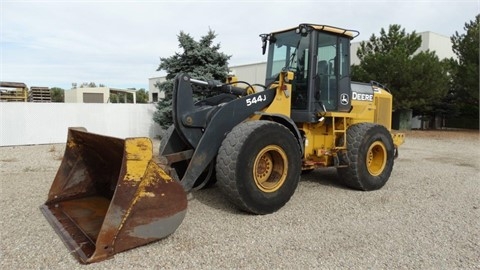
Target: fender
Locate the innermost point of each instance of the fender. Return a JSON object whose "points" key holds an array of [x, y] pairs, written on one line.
{"points": [[288, 123]]}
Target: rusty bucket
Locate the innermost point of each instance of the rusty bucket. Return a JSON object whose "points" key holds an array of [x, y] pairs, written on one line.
{"points": [[109, 196]]}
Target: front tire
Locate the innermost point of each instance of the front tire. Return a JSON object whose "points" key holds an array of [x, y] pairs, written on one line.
{"points": [[258, 166], [369, 157]]}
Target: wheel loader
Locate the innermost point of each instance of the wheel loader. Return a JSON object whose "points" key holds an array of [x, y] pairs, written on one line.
{"points": [[254, 141]]}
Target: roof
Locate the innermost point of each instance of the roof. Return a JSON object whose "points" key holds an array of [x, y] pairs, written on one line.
{"points": [[13, 84], [326, 28], [117, 90]]}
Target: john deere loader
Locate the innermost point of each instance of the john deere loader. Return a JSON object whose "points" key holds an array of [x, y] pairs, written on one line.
{"points": [[253, 141]]}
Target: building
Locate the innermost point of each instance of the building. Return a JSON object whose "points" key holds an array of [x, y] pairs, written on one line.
{"points": [[442, 45], [255, 73], [13, 91], [251, 73], [96, 95], [153, 93]]}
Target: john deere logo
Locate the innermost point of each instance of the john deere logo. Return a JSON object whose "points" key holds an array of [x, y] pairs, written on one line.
{"points": [[344, 99]]}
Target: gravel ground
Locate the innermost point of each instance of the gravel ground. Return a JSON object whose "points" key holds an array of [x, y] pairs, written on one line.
{"points": [[426, 217]]}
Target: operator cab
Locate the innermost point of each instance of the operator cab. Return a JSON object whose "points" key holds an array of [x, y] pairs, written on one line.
{"points": [[319, 57]]}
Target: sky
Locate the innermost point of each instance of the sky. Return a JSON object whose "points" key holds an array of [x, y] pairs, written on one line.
{"points": [[119, 43]]}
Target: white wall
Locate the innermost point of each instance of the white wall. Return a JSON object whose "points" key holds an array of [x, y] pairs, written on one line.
{"points": [[251, 73], [23, 123], [430, 41], [354, 60], [442, 45]]}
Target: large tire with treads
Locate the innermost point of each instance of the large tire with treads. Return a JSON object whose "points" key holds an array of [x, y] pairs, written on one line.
{"points": [[369, 157], [258, 166]]}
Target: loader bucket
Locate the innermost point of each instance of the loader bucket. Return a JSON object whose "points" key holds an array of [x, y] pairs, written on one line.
{"points": [[110, 196]]}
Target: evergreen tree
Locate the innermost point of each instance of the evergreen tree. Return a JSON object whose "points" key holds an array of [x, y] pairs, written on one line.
{"points": [[418, 80], [201, 60], [465, 83]]}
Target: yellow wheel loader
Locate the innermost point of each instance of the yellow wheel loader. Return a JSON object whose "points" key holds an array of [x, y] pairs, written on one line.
{"points": [[254, 142]]}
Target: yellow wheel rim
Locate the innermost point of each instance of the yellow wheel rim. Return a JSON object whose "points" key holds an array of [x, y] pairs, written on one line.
{"points": [[376, 158], [270, 168]]}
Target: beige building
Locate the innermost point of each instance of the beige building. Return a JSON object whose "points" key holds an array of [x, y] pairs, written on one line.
{"points": [[430, 41], [153, 93], [96, 94], [255, 73]]}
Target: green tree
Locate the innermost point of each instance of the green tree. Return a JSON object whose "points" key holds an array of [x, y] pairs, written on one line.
{"points": [[114, 98], [120, 98], [417, 80], [201, 59], [86, 84], [142, 96], [57, 94], [90, 84], [465, 86]]}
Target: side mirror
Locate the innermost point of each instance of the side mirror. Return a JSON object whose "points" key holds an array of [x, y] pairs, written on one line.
{"points": [[264, 42]]}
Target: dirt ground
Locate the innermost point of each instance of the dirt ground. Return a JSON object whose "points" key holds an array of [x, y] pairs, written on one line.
{"points": [[427, 216], [443, 134]]}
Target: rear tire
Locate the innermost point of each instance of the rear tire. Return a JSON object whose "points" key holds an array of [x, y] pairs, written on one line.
{"points": [[369, 157], [258, 166]]}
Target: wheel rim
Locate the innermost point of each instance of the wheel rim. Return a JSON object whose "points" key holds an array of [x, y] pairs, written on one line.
{"points": [[270, 168], [376, 158]]}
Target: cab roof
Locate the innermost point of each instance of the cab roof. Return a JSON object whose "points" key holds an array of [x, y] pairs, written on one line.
{"points": [[326, 28]]}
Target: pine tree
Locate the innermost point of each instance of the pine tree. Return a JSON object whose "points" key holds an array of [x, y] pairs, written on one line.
{"points": [[418, 80], [465, 86], [201, 60]]}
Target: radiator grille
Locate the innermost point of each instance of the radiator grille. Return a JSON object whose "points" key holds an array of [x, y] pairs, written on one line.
{"points": [[383, 112]]}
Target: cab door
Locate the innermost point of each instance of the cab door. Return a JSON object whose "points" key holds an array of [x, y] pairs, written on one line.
{"points": [[332, 77]]}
